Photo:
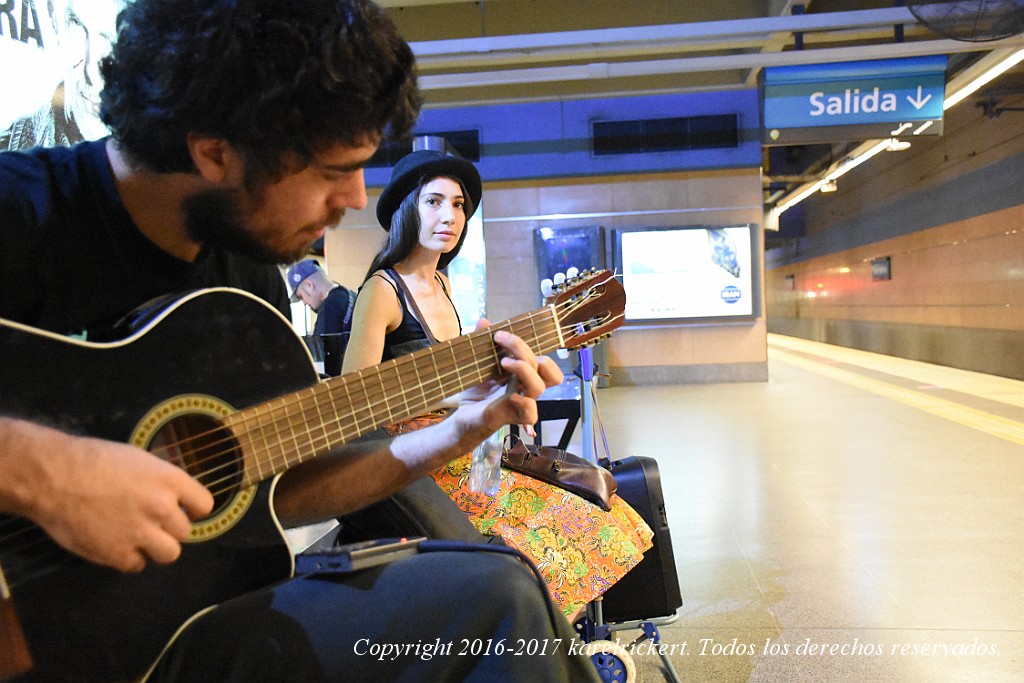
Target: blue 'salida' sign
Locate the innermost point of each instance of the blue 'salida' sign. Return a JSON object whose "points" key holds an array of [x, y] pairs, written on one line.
{"points": [[898, 96]]}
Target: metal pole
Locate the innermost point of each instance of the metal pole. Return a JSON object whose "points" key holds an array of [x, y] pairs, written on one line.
{"points": [[587, 403]]}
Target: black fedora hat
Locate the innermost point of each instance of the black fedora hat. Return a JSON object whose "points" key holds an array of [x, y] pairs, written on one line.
{"points": [[425, 164]]}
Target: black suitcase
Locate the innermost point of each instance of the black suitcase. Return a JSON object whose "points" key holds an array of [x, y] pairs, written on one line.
{"points": [[650, 589]]}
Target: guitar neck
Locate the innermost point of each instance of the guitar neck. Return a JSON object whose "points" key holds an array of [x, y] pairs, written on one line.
{"points": [[303, 425]]}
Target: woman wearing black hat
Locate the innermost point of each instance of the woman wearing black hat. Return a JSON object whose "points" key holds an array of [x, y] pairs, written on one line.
{"points": [[405, 305], [424, 208]]}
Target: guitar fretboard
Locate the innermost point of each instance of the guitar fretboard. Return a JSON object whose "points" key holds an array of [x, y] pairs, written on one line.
{"points": [[297, 427]]}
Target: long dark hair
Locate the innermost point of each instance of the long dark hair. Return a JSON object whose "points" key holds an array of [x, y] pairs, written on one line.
{"points": [[278, 79], [404, 234]]}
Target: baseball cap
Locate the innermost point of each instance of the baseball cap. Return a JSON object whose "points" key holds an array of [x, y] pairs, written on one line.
{"points": [[298, 273]]}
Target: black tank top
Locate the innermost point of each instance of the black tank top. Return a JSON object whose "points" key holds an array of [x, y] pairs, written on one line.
{"points": [[409, 336]]}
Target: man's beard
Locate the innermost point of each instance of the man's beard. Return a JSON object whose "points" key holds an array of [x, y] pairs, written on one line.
{"points": [[215, 218]]}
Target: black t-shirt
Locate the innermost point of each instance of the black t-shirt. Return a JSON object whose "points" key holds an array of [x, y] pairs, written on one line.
{"points": [[71, 258]]}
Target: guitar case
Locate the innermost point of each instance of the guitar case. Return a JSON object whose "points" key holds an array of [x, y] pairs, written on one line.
{"points": [[650, 589]]}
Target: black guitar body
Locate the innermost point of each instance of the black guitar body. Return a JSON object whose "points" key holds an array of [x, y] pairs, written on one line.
{"points": [[88, 623]]}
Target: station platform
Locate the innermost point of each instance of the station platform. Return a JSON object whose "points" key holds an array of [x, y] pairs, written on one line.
{"points": [[857, 517]]}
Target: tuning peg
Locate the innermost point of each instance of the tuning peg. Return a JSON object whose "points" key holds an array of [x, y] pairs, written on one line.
{"points": [[559, 278], [546, 287], [563, 353], [572, 272]]}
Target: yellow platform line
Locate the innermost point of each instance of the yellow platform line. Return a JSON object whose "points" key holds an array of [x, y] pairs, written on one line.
{"points": [[997, 426], [991, 387]]}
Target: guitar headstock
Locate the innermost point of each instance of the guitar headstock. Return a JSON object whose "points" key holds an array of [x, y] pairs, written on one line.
{"points": [[588, 306]]}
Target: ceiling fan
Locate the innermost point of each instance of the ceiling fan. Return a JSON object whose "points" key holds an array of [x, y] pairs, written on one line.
{"points": [[975, 21]]}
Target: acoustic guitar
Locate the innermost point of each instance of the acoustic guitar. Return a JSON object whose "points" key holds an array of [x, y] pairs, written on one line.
{"points": [[217, 383]]}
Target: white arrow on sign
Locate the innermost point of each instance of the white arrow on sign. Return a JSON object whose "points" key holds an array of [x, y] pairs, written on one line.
{"points": [[920, 100]]}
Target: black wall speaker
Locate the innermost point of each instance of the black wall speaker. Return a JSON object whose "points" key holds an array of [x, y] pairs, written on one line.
{"points": [[650, 589]]}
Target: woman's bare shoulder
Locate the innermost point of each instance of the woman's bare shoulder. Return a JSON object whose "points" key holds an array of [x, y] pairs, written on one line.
{"points": [[379, 281]]}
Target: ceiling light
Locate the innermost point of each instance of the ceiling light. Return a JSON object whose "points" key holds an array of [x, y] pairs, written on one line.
{"points": [[870, 148], [853, 162], [797, 198], [829, 186], [897, 145], [1004, 65]]}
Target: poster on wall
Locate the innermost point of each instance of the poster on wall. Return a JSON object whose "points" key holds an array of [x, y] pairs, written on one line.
{"points": [[50, 82]]}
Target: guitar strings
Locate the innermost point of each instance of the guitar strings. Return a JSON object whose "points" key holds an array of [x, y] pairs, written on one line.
{"points": [[272, 430], [280, 442], [274, 419]]}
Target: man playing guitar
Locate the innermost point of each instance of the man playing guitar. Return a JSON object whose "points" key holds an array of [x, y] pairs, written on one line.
{"points": [[240, 131]]}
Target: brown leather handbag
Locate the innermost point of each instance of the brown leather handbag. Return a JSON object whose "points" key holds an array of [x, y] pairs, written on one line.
{"points": [[562, 469]]}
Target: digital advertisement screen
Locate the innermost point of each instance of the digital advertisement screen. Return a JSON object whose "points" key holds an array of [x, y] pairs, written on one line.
{"points": [[687, 273]]}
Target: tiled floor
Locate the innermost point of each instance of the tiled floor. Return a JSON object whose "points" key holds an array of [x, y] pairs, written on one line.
{"points": [[855, 518]]}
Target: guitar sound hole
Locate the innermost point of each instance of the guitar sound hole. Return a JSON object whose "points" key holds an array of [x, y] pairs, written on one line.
{"points": [[203, 447]]}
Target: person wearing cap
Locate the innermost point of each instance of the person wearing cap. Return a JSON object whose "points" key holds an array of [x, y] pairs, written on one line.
{"points": [[333, 306], [331, 301], [404, 305]]}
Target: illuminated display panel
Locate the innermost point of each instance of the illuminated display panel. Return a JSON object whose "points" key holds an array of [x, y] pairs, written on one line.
{"points": [[688, 273]]}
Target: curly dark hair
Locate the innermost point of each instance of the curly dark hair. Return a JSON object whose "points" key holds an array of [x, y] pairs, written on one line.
{"points": [[404, 234], [272, 77]]}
